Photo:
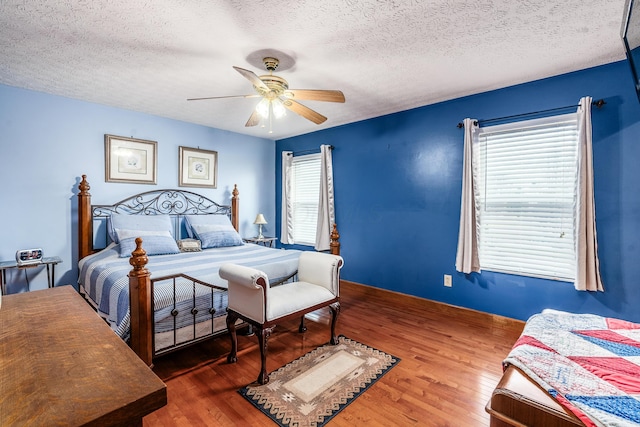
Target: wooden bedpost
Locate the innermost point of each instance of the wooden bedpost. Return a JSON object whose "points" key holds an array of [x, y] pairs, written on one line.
{"points": [[85, 223], [235, 208], [140, 307], [335, 244]]}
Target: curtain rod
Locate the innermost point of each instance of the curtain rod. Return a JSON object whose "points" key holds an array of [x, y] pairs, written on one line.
{"points": [[599, 103], [313, 151]]}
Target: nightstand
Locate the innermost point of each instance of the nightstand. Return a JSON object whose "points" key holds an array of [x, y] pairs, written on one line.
{"points": [[264, 241], [49, 262]]}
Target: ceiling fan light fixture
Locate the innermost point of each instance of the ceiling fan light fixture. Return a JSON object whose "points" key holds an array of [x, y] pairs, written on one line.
{"points": [[268, 107], [263, 108], [279, 110]]}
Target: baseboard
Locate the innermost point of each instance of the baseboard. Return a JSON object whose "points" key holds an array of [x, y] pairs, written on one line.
{"points": [[427, 304]]}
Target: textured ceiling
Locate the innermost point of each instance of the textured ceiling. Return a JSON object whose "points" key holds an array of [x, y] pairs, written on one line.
{"points": [[385, 55]]}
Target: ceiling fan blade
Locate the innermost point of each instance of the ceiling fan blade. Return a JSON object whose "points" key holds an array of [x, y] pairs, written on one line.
{"points": [[305, 112], [315, 95], [254, 119], [255, 95], [252, 77]]}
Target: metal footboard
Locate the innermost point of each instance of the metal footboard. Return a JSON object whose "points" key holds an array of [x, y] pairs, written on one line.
{"points": [[186, 311]]}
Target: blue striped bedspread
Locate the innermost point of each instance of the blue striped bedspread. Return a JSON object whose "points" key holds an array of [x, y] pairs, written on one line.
{"points": [[103, 276]]}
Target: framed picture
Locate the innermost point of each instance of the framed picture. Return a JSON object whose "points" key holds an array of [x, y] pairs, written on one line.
{"points": [[130, 160], [197, 168]]}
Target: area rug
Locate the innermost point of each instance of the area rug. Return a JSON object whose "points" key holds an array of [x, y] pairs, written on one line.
{"points": [[313, 389]]}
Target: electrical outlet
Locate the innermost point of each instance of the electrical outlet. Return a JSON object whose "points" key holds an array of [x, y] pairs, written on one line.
{"points": [[447, 280]]}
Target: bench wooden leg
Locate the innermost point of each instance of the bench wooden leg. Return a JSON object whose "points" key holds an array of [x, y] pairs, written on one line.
{"points": [[302, 328], [335, 310], [231, 326], [263, 337]]}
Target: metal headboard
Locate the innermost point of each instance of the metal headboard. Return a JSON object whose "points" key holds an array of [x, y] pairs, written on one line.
{"points": [[175, 203]]}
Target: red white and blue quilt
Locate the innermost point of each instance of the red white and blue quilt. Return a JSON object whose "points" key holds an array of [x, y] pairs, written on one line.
{"points": [[588, 363]]}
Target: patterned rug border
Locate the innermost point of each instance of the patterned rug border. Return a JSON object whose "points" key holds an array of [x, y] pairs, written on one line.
{"points": [[244, 390]]}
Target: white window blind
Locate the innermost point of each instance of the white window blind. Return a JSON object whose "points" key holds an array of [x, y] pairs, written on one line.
{"points": [[305, 197], [526, 181]]}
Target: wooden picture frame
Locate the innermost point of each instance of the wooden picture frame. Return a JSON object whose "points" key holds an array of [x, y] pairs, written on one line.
{"points": [[130, 160], [197, 168]]}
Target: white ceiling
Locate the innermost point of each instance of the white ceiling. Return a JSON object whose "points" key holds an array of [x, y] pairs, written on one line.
{"points": [[385, 55]]}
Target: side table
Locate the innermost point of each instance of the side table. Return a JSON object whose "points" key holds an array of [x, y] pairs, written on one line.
{"points": [[49, 262], [264, 241]]}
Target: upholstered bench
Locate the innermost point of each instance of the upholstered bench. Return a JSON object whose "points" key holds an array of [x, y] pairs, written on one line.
{"points": [[262, 306]]}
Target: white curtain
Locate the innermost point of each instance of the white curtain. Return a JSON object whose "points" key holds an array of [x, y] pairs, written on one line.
{"points": [[286, 221], [587, 265], [326, 210], [467, 260]]}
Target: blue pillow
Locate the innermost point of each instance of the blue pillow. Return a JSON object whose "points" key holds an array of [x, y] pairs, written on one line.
{"points": [[209, 219], [153, 242], [138, 222], [217, 236]]}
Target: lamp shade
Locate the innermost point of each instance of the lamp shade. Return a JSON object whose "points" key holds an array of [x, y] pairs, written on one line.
{"points": [[260, 219]]}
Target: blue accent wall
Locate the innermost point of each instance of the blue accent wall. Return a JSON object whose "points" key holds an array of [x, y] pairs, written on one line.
{"points": [[398, 186], [47, 142]]}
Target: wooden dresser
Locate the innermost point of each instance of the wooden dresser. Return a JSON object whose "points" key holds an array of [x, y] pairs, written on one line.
{"points": [[60, 364]]}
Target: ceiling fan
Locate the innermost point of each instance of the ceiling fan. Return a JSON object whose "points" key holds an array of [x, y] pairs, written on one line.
{"points": [[276, 96]]}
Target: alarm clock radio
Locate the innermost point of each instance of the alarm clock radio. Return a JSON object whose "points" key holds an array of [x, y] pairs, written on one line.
{"points": [[29, 256]]}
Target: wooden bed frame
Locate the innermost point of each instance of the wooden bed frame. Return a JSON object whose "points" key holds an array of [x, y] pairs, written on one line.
{"points": [[140, 288], [517, 401]]}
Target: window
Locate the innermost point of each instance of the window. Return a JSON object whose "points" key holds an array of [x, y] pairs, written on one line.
{"points": [[308, 212], [525, 177], [305, 189]]}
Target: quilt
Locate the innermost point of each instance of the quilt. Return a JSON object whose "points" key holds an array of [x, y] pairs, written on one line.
{"points": [[588, 363]]}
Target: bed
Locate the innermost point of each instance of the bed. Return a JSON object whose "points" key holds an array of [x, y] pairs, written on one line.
{"points": [[570, 369], [152, 291]]}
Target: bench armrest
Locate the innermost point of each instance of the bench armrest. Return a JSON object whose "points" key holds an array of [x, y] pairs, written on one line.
{"points": [[321, 269], [242, 275], [248, 289]]}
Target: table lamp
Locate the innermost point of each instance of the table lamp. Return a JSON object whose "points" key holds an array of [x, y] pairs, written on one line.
{"points": [[260, 221]]}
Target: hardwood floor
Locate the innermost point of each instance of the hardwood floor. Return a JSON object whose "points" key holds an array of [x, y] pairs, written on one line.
{"points": [[450, 363]]}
